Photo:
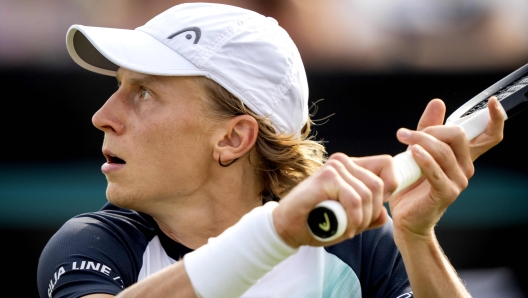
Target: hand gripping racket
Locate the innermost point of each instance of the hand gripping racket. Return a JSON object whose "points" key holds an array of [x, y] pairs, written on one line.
{"points": [[328, 220]]}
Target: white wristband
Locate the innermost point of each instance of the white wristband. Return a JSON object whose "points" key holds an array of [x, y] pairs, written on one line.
{"points": [[228, 265]]}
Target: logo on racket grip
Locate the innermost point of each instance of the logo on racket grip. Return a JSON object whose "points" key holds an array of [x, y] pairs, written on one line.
{"points": [[322, 222], [325, 226]]}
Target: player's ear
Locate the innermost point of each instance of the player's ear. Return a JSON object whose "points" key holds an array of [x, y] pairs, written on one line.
{"points": [[236, 138]]}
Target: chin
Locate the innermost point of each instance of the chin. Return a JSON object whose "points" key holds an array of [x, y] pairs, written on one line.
{"points": [[120, 197]]}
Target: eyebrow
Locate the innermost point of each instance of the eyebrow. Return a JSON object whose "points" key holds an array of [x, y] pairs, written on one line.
{"points": [[137, 79]]}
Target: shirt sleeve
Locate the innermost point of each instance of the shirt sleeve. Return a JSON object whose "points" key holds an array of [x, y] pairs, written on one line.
{"points": [[375, 259], [98, 252]]}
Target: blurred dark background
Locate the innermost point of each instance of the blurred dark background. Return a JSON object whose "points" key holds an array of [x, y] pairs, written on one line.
{"points": [[376, 64]]}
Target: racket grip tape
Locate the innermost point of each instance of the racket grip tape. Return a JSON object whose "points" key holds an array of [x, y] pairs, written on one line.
{"points": [[406, 170]]}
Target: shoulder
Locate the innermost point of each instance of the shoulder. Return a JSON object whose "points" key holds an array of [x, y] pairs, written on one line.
{"points": [[103, 249], [375, 259], [107, 227], [120, 220]]}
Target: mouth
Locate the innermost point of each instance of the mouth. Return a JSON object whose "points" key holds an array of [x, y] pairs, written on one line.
{"points": [[110, 158], [113, 162]]}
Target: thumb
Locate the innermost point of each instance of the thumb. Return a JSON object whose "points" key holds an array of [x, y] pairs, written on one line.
{"points": [[433, 115]]}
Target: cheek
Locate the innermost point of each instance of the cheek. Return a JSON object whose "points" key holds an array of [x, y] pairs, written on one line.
{"points": [[175, 139], [173, 151]]}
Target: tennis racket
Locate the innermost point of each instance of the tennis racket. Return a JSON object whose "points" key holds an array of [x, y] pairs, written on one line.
{"points": [[328, 220]]}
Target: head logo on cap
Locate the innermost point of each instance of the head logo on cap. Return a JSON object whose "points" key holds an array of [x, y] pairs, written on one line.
{"points": [[196, 31]]}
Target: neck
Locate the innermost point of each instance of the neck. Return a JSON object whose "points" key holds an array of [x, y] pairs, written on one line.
{"points": [[217, 205]]}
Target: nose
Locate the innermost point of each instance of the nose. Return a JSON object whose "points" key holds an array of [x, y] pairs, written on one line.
{"points": [[109, 118]]}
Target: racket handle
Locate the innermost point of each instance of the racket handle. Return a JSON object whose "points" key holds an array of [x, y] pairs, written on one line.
{"points": [[406, 170], [327, 221]]}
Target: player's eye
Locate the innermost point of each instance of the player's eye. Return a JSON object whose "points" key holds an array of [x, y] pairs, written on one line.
{"points": [[144, 94]]}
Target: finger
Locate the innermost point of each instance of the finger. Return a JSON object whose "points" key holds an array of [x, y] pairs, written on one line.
{"points": [[455, 138], [496, 113], [382, 218], [442, 188], [348, 197], [441, 148], [368, 186], [494, 130], [433, 114], [383, 167]]}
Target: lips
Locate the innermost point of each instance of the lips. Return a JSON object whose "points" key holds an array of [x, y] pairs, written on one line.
{"points": [[113, 162], [114, 159]]}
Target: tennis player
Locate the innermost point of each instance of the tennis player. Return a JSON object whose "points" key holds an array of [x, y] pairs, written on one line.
{"points": [[212, 173]]}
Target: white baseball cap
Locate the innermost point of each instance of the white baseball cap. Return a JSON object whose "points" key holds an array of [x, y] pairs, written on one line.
{"points": [[247, 53]]}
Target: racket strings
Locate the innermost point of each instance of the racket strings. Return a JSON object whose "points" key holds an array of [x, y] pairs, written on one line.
{"points": [[501, 94]]}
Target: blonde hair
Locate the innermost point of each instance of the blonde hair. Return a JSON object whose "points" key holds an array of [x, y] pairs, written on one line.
{"points": [[285, 160]]}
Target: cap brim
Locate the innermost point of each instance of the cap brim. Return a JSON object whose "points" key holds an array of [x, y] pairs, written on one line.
{"points": [[104, 50]]}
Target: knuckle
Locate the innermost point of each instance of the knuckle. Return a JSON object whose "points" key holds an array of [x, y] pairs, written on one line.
{"points": [[385, 158], [351, 234], [470, 170], [328, 173], [445, 151], [458, 131], [460, 183], [338, 156], [453, 193], [354, 202], [376, 184], [366, 197], [355, 221], [332, 162], [499, 138], [437, 174], [391, 184], [464, 182], [428, 129]]}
